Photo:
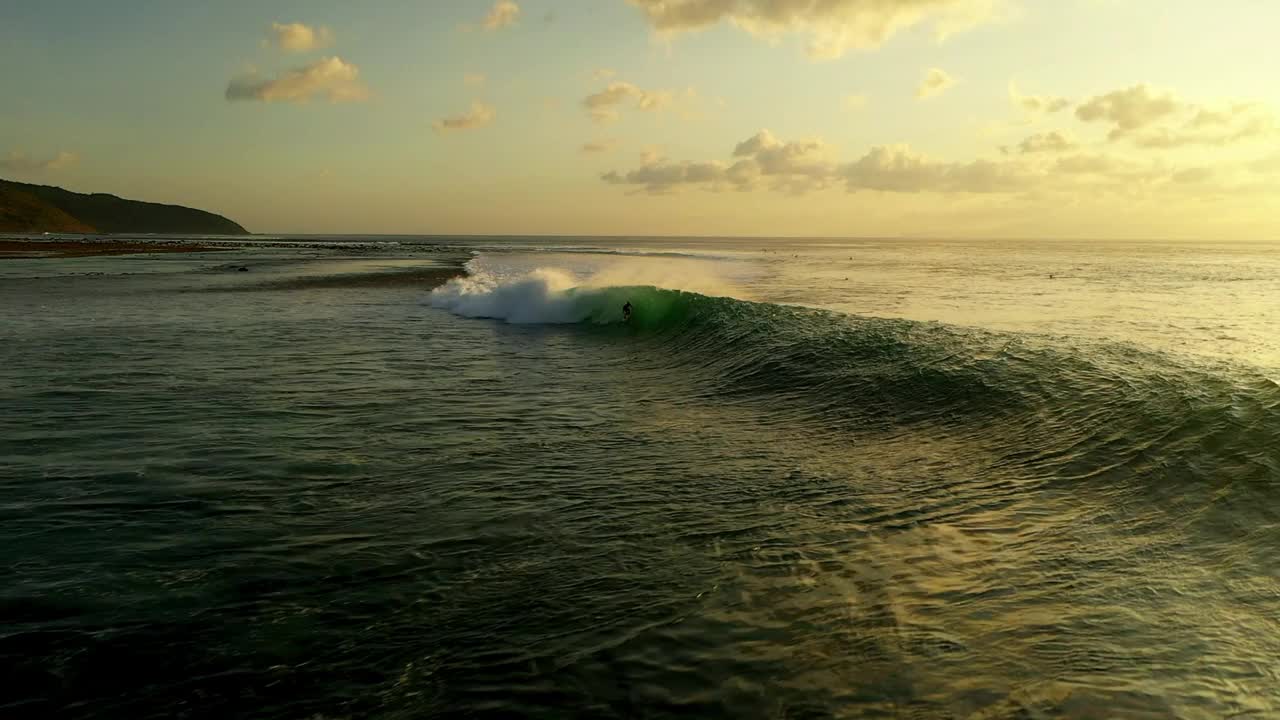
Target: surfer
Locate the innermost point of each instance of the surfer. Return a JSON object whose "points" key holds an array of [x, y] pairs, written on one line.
{"points": [[626, 312]]}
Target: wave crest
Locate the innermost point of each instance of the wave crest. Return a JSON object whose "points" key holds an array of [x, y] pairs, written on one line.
{"points": [[1077, 406], [550, 296]]}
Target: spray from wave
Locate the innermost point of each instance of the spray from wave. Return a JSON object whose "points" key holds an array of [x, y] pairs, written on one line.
{"points": [[543, 296], [658, 293]]}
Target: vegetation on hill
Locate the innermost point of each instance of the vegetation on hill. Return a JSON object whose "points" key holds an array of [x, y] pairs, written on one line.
{"points": [[28, 208]]}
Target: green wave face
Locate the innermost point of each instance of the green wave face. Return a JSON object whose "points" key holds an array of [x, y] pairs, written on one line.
{"points": [[652, 309], [1075, 404]]}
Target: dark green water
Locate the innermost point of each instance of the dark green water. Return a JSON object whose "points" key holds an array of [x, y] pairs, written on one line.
{"points": [[314, 491]]}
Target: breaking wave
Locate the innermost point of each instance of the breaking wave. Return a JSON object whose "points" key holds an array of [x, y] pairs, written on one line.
{"points": [[1084, 408]]}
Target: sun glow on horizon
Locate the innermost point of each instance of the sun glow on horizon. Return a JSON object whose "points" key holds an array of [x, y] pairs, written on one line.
{"points": [[946, 118]]}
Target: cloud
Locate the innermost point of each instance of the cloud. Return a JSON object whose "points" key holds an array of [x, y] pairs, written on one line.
{"points": [[832, 27], [603, 106], [663, 177], [798, 166], [332, 78], [855, 102], [1107, 168], [1044, 163], [1129, 109], [62, 160], [20, 162], [802, 166], [1159, 120], [603, 73], [1037, 104], [478, 116], [502, 14], [474, 79], [598, 146], [896, 168], [935, 81], [1048, 142], [1239, 123], [1045, 167], [1206, 118], [297, 37]]}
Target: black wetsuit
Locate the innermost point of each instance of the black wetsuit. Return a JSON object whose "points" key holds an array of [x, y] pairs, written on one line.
{"points": [[626, 311]]}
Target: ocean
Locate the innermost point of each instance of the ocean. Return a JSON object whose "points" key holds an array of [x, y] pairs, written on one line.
{"points": [[442, 477]]}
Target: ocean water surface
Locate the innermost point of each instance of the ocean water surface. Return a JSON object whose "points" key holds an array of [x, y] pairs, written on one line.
{"points": [[441, 477]]}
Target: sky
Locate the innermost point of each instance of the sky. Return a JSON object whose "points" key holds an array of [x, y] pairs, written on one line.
{"points": [[1090, 119]]}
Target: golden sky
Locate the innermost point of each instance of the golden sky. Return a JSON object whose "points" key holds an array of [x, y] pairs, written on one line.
{"points": [[943, 118]]}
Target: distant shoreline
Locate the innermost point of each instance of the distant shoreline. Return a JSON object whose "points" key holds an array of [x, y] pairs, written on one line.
{"points": [[12, 249]]}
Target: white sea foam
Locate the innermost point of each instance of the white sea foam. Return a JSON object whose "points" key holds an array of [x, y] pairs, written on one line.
{"points": [[559, 295], [541, 296]]}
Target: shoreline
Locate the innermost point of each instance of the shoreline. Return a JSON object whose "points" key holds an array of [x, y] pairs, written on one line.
{"points": [[26, 249]]}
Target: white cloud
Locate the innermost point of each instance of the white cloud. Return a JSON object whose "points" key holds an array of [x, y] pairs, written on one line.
{"points": [[1239, 123], [474, 79], [331, 78], [800, 163], [1130, 109], [802, 166], [664, 177], [297, 37], [1159, 120], [791, 166], [603, 73], [855, 102], [62, 161], [935, 81], [20, 162], [832, 27], [1043, 163], [502, 14], [1108, 168], [1047, 142], [897, 168], [478, 116], [1037, 104], [603, 106]]}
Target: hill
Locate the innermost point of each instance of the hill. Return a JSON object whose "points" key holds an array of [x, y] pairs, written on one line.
{"points": [[42, 208], [22, 212]]}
